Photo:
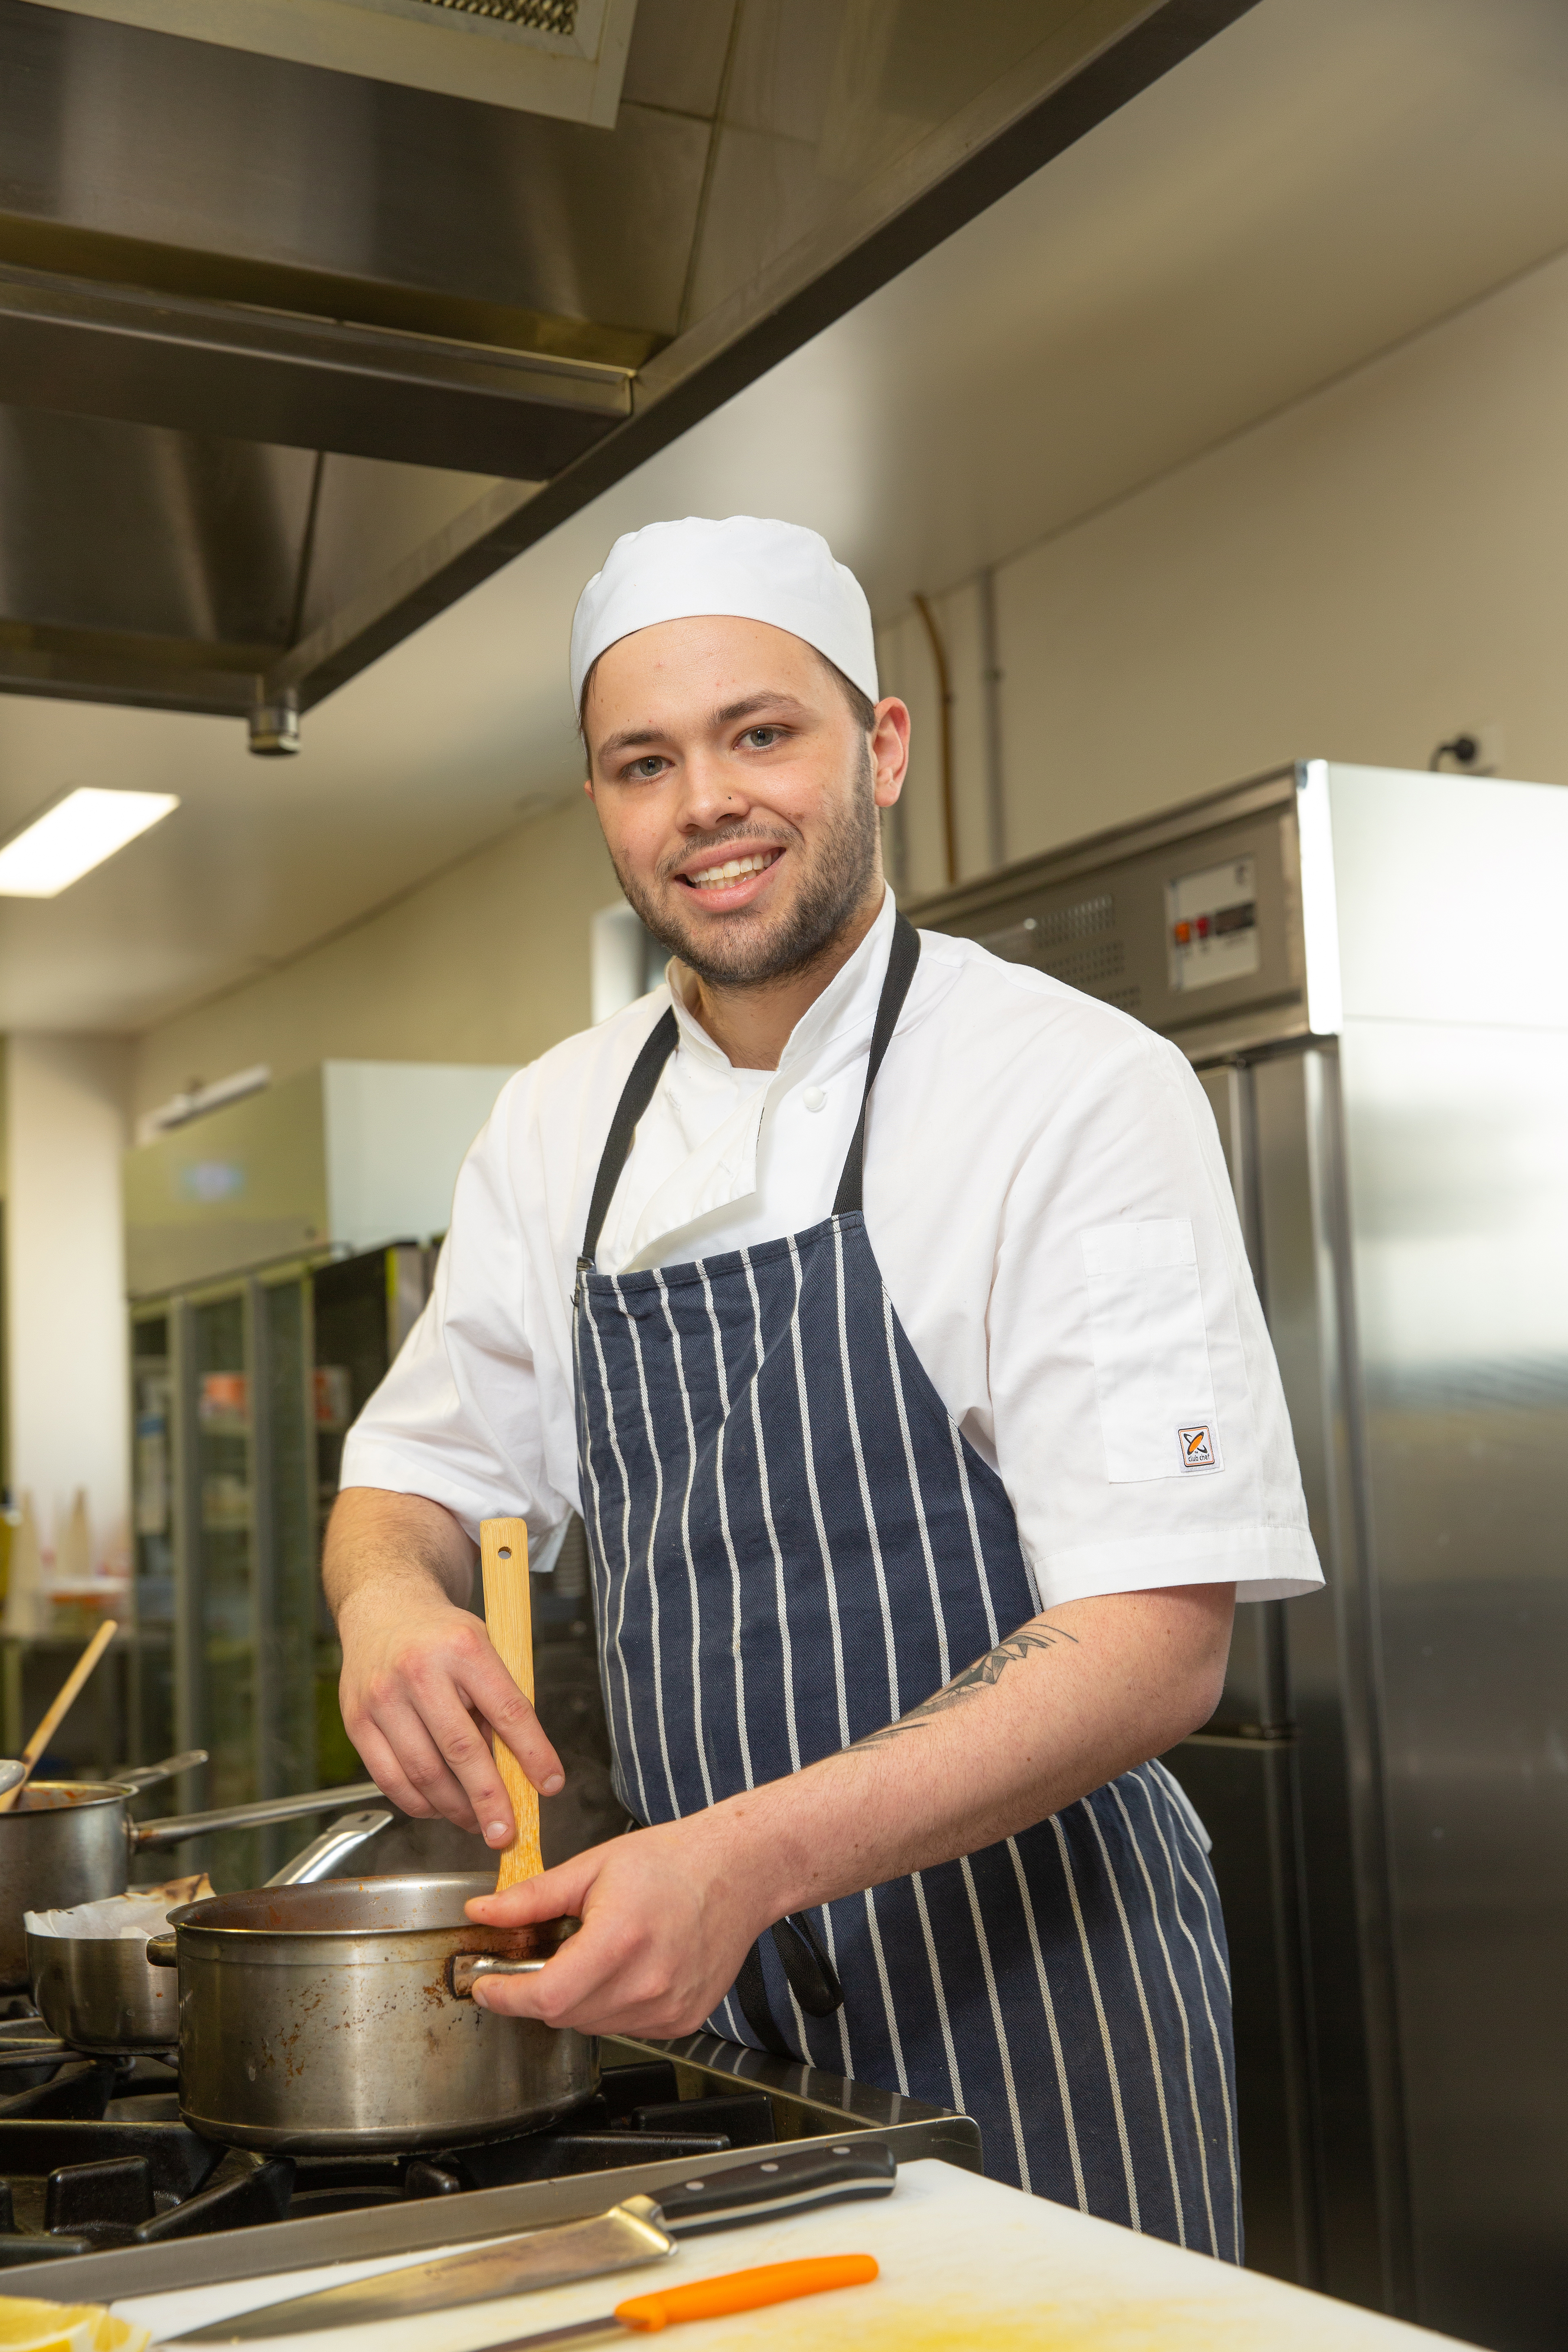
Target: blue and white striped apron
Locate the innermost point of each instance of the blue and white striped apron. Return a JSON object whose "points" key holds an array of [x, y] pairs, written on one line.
{"points": [[793, 1544]]}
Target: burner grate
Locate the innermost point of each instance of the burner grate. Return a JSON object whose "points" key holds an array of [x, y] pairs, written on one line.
{"points": [[90, 2237], [75, 2177]]}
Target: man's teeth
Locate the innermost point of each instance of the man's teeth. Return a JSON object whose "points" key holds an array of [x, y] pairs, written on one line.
{"points": [[712, 877]]}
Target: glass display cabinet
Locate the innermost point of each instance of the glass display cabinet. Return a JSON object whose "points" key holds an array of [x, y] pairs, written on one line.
{"points": [[243, 1392]]}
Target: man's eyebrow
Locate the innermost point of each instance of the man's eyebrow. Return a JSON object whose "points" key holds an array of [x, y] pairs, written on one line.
{"points": [[630, 739], [756, 702], [626, 738]]}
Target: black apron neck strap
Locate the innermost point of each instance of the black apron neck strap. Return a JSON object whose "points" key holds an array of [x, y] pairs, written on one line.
{"points": [[904, 955], [636, 1096]]}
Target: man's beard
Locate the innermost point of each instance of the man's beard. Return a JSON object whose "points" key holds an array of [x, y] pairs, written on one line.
{"points": [[749, 951]]}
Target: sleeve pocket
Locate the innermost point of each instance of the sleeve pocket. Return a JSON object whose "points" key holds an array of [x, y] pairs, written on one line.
{"points": [[1150, 1344]]}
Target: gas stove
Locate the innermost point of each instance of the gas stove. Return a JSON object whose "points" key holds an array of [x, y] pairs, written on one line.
{"points": [[105, 2192]]}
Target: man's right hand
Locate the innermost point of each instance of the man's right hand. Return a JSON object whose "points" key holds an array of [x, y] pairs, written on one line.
{"points": [[421, 1688]]}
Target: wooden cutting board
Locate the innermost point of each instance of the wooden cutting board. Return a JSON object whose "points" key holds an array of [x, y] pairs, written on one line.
{"points": [[966, 2263]]}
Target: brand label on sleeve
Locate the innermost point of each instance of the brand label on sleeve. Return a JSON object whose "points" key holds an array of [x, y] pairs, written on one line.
{"points": [[1200, 1446]]}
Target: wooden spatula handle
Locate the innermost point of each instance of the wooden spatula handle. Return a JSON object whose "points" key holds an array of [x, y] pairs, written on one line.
{"points": [[508, 1618], [60, 1707]]}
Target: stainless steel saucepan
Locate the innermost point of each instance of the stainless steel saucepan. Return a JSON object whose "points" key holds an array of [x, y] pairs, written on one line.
{"points": [[327, 2018], [102, 1993], [70, 1842]]}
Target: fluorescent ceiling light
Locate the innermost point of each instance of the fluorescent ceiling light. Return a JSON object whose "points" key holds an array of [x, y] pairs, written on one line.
{"points": [[77, 834]]}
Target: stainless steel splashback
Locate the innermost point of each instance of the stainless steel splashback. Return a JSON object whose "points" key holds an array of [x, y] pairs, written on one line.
{"points": [[1386, 1778]]}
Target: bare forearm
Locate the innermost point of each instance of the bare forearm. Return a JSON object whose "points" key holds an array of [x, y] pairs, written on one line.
{"points": [[1061, 1706], [377, 1541]]}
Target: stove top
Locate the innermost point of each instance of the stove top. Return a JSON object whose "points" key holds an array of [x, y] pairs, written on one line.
{"points": [[105, 2192]]}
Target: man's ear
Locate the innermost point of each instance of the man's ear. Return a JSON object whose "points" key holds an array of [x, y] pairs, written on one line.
{"points": [[890, 750]]}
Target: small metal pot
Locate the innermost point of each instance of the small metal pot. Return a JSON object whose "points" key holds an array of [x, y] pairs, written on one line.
{"points": [[326, 2018], [69, 1841], [102, 1993]]}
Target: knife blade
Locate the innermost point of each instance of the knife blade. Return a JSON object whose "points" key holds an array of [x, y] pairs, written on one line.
{"points": [[637, 2230], [714, 2298]]}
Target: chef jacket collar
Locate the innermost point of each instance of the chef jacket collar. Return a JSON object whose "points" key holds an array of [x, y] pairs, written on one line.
{"points": [[724, 1169]]}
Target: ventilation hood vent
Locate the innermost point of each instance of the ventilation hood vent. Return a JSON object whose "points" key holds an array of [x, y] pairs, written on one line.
{"points": [[291, 358], [565, 57]]}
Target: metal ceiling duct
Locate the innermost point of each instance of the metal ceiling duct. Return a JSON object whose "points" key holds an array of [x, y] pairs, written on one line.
{"points": [[291, 357], [548, 57]]}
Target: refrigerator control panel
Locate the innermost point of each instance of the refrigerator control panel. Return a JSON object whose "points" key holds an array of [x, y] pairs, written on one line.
{"points": [[1211, 925]]}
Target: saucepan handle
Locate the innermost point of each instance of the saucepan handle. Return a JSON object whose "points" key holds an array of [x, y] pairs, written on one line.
{"points": [[44, 2049], [465, 1969], [174, 1829], [322, 1855], [148, 1776], [164, 1952]]}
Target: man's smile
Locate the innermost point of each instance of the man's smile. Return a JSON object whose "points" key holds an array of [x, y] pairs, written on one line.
{"points": [[728, 878]]}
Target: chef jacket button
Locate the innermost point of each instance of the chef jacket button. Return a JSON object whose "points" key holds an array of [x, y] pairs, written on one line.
{"points": [[814, 1097]]}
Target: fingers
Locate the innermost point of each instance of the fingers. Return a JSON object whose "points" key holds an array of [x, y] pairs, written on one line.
{"points": [[417, 1777], [608, 1979], [386, 1772], [418, 1707], [559, 1894], [462, 1756], [492, 1689], [636, 1964]]}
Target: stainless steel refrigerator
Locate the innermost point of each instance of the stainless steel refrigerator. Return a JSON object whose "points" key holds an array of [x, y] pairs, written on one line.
{"points": [[1369, 968]]}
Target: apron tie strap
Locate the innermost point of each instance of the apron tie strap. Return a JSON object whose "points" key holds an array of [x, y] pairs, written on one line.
{"points": [[634, 1101], [902, 958], [811, 1978]]}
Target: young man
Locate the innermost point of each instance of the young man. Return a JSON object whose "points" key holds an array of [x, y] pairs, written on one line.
{"points": [[863, 1292]]}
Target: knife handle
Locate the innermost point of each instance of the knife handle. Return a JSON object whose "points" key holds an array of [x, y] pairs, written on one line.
{"points": [[780, 2184], [745, 2290]]}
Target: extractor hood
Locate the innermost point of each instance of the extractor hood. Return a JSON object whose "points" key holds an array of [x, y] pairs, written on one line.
{"points": [[548, 57], [291, 356]]}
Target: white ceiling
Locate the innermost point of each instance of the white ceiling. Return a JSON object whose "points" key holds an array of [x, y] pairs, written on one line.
{"points": [[1325, 178]]}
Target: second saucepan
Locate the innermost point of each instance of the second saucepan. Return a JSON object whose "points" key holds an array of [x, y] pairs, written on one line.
{"points": [[100, 1992], [70, 1842]]}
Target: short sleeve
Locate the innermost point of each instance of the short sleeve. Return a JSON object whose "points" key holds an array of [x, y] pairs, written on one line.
{"points": [[1140, 1423]]}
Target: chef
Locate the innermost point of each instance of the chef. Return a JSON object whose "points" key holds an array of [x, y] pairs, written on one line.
{"points": [[882, 1306]]}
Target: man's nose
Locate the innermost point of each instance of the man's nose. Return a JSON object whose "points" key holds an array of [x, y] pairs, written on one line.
{"points": [[712, 793]]}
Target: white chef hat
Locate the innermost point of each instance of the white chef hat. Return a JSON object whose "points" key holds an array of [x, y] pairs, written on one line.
{"points": [[757, 570]]}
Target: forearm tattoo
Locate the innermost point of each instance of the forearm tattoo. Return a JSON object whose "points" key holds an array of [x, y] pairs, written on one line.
{"points": [[970, 1683]]}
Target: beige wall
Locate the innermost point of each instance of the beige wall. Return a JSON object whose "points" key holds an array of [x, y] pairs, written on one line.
{"points": [[1360, 577], [489, 963], [67, 1381]]}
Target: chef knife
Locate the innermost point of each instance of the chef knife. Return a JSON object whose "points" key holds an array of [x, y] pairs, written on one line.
{"points": [[637, 2230], [713, 2298]]}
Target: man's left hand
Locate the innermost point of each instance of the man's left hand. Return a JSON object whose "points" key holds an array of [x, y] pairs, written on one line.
{"points": [[665, 1929]]}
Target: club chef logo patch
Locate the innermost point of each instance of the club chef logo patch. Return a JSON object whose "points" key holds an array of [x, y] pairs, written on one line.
{"points": [[1200, 1447]]}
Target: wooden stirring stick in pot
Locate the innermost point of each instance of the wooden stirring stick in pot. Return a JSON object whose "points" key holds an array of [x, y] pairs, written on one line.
{"points": [[508, 1619], [61, 1706]]}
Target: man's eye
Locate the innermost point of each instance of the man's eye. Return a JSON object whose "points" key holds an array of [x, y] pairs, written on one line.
{"points": [[762, 736], [644, 770]]}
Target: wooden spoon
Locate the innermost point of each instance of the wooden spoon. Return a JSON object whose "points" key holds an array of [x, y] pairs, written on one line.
{"points": [[508, 1618], [71, 1690]]}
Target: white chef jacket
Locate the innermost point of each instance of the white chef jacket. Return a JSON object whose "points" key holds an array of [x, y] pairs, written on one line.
{"points": [[1046, 1197]]}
